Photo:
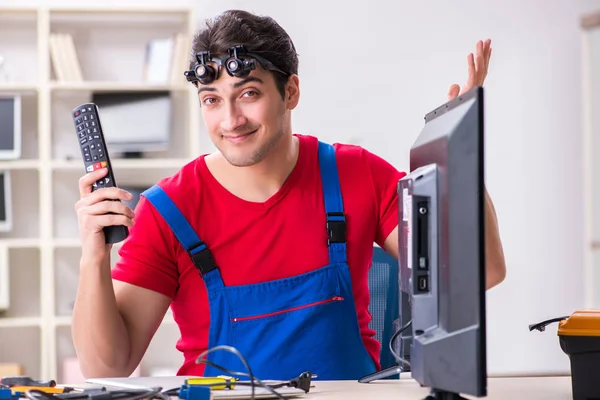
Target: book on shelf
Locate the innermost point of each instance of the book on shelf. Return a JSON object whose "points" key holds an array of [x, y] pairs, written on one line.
{"points": [[166, 59], [64, 58]]}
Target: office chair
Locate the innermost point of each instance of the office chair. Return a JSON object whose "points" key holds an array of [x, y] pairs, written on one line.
{"points": [[384, 308]]}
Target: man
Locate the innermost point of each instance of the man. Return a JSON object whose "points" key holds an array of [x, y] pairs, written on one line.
{"points": [[264, 245]]}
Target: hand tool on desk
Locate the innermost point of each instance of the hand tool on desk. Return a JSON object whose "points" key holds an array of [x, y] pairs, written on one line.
{"points": [[45, 389], [25, 381]]}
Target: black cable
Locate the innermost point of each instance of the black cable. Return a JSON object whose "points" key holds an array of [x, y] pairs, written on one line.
{"points": [[133, 394], [541, 326], [393, 338], [253, 380], [35, 394]]}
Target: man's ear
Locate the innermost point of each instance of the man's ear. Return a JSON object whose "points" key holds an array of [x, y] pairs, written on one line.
{"points": [[292, 91]]}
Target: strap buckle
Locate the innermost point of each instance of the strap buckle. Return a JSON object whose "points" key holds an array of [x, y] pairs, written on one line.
{"points": [[202, 257], [336, 227]]}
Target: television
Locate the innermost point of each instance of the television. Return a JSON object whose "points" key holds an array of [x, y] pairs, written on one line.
{"points": [[442, 250], [135, 122], [6, 220], [10, 126]]}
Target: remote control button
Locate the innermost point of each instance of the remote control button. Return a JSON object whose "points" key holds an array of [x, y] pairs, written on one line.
{"points": [[93, 123], [83, 110], [80, 128], [103, 164], [81, 135], [76, 113], [85, 117], [83, 140], [89, 168], [92, 116], [96, 136], [89, 109], [78, 121], [95, 158], [92, 146]]}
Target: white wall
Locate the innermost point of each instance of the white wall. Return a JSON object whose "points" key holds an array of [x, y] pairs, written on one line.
{"points": [[410, 52]]}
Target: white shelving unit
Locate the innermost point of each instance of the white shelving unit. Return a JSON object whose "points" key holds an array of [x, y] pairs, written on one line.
{"points": [[44, 247]]}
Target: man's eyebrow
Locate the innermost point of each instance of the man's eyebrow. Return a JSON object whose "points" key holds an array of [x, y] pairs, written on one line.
{"points": [[235, 85], [206, 89], [246, 80]]}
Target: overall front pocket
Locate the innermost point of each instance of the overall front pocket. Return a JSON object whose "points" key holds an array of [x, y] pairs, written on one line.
{"points": [[288, 310]]}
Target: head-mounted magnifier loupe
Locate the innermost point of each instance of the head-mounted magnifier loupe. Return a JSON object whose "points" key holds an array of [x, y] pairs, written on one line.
{"points": [[239, 62]]}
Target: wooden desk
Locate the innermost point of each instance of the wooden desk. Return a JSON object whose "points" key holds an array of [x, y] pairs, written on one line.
{"points": [[546, 388]]}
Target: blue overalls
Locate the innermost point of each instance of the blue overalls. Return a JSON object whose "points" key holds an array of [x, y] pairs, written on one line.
{"points": [[287, 326]]}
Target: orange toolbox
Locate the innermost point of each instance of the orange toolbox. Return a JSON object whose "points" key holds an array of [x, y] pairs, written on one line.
{"points": [[579, 338]]}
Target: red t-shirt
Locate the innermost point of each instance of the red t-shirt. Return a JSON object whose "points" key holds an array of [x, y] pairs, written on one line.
{"points": [[256, 242]]}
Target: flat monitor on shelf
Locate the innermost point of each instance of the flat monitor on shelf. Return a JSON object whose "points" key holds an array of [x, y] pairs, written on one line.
{"points": [[135, 123], [442, 250], [10, 126], [6, 220]]}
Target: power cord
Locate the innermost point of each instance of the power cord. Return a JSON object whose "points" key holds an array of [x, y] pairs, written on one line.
{"points": [[302, 382], [391, 344], [541, 326]]}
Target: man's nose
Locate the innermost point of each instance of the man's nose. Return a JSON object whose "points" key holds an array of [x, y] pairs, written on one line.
{"points": [[234, 118]]}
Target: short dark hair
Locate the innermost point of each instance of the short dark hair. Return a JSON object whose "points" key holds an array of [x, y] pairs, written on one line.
{"points": [[260, 34]]}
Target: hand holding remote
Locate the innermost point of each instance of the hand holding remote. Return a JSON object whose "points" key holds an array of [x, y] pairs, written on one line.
{"points": [[100, 213]]}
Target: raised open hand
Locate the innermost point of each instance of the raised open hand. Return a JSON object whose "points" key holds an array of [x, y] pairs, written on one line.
{"points": [[477, 68]]}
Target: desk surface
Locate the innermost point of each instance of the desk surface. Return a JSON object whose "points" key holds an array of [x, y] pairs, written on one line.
{"points": [[547, 388]]}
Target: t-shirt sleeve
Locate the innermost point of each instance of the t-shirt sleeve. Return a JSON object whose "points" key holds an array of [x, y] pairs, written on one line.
{"points": [[147, 257], [385, 179]]}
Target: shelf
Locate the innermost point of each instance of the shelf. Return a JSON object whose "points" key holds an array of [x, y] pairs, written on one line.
{"points": [[121, 10], [18, 243], [11, 10], [22, 88], [62, 321], [22, 322], [95, 86], [20, 164]]}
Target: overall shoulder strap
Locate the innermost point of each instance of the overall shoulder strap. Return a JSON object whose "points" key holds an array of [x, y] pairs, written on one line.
{"points": [[196, 248], [334, 205]]}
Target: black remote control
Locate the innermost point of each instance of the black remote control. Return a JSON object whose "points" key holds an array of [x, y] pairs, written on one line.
{"points": [[95, 156]]}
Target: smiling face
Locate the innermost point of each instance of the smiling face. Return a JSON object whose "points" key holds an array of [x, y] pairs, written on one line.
{"points": [[247, 117]]}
